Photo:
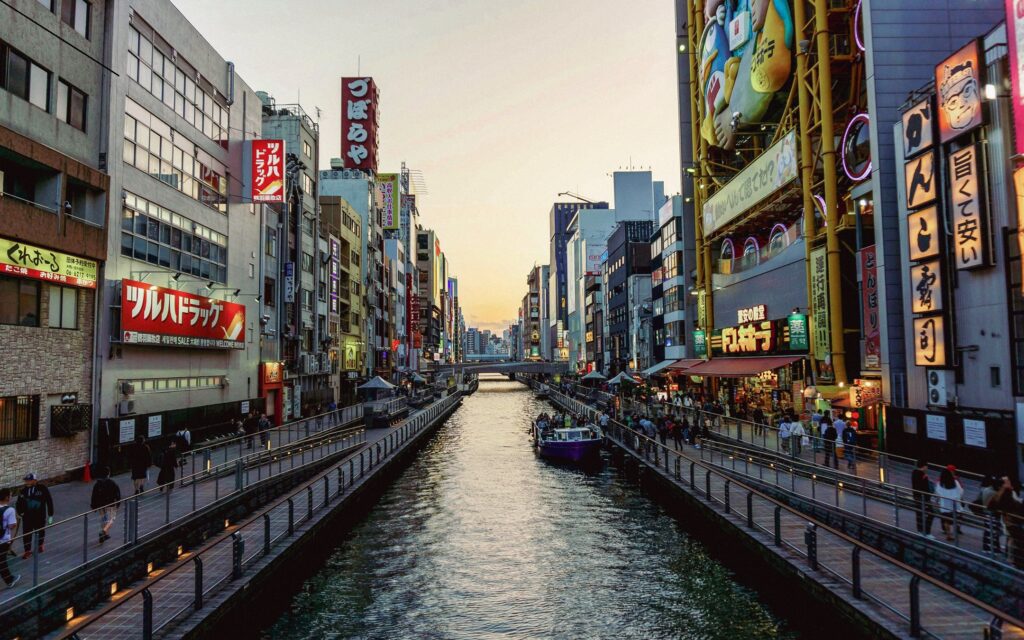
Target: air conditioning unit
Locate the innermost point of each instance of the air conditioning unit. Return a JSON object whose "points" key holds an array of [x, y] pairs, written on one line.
{"points": [[127, 388], [126, 407], [941, 387]]}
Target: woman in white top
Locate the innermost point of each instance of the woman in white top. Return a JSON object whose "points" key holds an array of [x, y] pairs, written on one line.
{"points": [[784, 432], [950, 492]]}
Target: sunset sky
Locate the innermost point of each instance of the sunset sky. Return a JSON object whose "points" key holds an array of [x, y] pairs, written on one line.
{"points": [[500, 104]]}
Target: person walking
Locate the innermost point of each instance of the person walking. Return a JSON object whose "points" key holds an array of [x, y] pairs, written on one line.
{"points": [[140, 459], [796, 435], [849, 436], [993, 527], [784, 433], [923, 489], [758, 417], [249, 425], [950, 493], [264, 426], [9, 524], [168, 462], [829, 440], [677, 434], [105, 496], [35, 508]]}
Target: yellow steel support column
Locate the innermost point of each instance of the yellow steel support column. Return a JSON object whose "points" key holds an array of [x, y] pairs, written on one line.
{"points": [[831, 178], [700, 178], [806, 157]]}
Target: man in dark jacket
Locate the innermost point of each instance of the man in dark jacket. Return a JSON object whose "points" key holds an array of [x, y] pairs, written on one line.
{"points": [[923, 489], [829, 437], [140, 459], [105, 496], [34, 506]]}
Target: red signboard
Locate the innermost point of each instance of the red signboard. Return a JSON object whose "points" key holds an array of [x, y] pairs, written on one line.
{"points": [[1015, 42], [268, 171], [152, 315], [359, 124], [869, 307]]}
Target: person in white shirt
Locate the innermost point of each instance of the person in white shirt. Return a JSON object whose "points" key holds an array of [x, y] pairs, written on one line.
{"points": [[784, 432], [796, 435], [9, 524], [950, 492]]}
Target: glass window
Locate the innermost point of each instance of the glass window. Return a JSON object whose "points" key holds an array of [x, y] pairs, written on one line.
{"points": [[19, 419], [126, 245], [71, 107], [39, 87], [19, 301], [63, 311], [47, 3], [17, 74]]}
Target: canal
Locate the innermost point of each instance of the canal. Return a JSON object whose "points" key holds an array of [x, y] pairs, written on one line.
{"points": [[480, 538]]}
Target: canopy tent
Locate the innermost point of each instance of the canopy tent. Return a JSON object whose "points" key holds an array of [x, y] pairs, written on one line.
{"points": [[624, 376], [417, 378], [376, 384], [683, 365], [594, 375]]}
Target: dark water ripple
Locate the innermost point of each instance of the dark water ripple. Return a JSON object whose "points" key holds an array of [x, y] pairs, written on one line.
{"points": [[479, 538]]}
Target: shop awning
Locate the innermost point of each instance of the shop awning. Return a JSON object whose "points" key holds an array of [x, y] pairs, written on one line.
{"points": [[740, 367], [647, 373], [683, 365]]}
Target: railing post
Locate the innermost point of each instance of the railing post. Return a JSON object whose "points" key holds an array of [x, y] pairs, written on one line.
{"points": [[35, 558], [750, 509], [351, 472], [291, 516], [778, 526], [896, 506], [239, 466], [728, 507], [237, 550], [147, 615], [327, 490], [266, 534], [915, 607], [197, 602], [309, 502], [341, 480], [811, 539], [707, 485], [855, 571], [362, 465], [692, 483], [85, 538]]}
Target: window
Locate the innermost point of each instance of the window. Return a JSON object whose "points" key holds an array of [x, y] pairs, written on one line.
{"points": [[306, 149], [19, 302], [269, 292], [19, 419], [47, 3], [151, 385], [307, 263], [271, 242], [24, 78], [39, 87], [63, 310], [307, 184], [75, 14], [70, 105]]}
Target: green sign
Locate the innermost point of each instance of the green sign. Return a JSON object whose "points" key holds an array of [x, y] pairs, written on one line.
{"points": [[798, 335], [700, 344]]}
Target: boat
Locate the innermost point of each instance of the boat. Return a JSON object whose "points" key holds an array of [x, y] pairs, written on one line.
{"points": [[573, 444], [542, 391]]}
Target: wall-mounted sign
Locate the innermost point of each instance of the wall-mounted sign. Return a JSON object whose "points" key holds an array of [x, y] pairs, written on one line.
{"points": [[27, 261], [388, 200], [755, 313], [799, 338], [753, 338], [958, 82], [289, 282], [769, 172], [935, 426], [267, 171], [359, 123], [700, 344], [154, 426], [970, 223], [919, 178], [1018, 183], [869, 308], [821, 339], [926, 285], [1015, 42], [923, 234], [918, 128], [271, 372], [974, 433], [152, 315], [930, 341], [126, 430]]}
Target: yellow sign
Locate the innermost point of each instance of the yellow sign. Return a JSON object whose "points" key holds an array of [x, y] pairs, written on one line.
{"points": [[1018, 181], [27, 261], [749, 338], [930, 341]]}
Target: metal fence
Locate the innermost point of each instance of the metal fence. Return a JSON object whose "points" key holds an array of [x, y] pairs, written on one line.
{"points": [[871, 575], [175, 590], [74, 543]]}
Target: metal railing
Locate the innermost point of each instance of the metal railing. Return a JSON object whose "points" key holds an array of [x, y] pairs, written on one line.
{"points": [[388, 406], [185, 585], [855, 563], [74, 543]]}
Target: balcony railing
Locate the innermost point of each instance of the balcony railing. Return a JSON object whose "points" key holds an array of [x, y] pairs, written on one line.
{"points": [[751, 259]]}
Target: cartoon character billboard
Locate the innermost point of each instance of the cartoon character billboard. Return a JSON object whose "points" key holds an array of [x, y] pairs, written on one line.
{"points": [[746, 57]]}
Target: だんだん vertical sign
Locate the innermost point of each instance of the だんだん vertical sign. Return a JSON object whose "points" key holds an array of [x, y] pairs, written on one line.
{"points": [[359, 124], [268, 171]]}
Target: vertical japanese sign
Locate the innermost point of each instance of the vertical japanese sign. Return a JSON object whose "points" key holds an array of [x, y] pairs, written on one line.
{"points": [[410, 309], [958, 81], [1018, 183], [869, 308], [700, 344], [389, 200], [335, 274], [359, 123], [289, 282], [798, 338], [267, 171], [926, 285], [1015, 42], [821, 340], [923, 234], [918, 128], [930, 341], [970, 226], [152, 315]]}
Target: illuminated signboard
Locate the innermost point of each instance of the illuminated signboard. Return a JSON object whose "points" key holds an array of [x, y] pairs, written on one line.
{"points": [[923, 234], [359, 123], [958, 82], [27, 261], [918, 128], [388, 192], [926, 285], [156, 316], [755, 313], [930, 341], [920, 181], [822, 341], [970, 224], [869, 304], [1015, 42], [267, 171], [749, 338]]}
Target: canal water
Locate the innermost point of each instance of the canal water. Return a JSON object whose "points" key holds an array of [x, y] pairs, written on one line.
{"points": [[480, 538]]}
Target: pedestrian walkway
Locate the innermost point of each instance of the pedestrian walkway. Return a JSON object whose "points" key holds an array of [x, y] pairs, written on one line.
{"points": [[73, 542]]}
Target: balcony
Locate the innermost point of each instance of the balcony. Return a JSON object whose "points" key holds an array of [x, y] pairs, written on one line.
{"points": [[735, 260]]}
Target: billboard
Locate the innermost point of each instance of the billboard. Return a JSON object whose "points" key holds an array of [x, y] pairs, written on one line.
{"points": [[1015, 42], [821, 339], [267, 171], [27, 261], [389, 200], [152, 315], [870, 316], [970, 216], [359, 124], [958, 81]]}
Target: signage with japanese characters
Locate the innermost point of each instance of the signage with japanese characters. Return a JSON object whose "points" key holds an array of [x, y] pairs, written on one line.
{"points": [[930, 341], [1018, 182], [289, 282], [923, 234], [758, 337], [700, 344], [821, 340], [974, 433], [970, 225], [918, 128], [267, 171], [935, 426], [152, 315], [869, 307], [755, 313], [271, 372], [926, 287], [27, 261], [1015, 43], [359, 123], [798, 334], [958, 82], [919, 178], [335, 273], [388, 200]]}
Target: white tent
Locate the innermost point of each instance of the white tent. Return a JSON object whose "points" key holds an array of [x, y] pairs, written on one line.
{"points": [[376, 384]]}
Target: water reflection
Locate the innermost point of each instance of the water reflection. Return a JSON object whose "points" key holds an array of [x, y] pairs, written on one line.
{"points": [[481, 538]]}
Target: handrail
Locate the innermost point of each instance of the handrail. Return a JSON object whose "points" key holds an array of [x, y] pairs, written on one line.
{"points": [[917, 574], [392, 444]]}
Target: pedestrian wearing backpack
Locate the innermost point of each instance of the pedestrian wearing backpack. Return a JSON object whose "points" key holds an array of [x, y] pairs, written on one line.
{"points": [[849, 446], [9, 524], [829, 438], [105, 496], [35, 506]]}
